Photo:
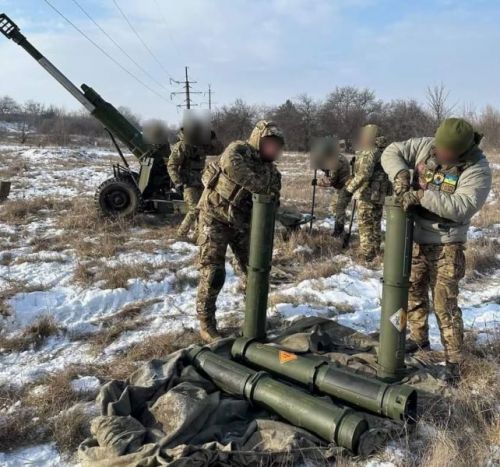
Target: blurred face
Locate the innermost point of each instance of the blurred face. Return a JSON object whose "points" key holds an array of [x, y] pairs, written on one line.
{"points": [[446, 155], [270, 149], [366, 139]]}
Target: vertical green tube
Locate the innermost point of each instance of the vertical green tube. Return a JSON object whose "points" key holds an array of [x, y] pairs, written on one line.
{"points": [[259, 265], [397, 269]]}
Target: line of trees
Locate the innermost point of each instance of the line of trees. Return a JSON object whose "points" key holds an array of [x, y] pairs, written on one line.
{"points": [[342, 113]]}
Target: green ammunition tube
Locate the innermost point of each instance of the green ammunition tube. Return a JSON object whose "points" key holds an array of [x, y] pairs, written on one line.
{"points": [[330, 421], [396, 282], [395, 401], [259, 265]]}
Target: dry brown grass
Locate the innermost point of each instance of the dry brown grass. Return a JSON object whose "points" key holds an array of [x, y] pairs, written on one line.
{"points": [[88, 273], [112, 327], [461, 430], [117, 277], [12, 167], [41, 415], [31, 337], [488, 216], [70, 428], [161, 345], [22, 211], [46, 243], [481, 257]]}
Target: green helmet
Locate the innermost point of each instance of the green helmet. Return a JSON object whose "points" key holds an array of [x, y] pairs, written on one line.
{"points": [[455, 134]]}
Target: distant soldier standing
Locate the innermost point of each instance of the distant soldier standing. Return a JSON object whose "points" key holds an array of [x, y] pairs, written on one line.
{"points": [[186, 164], [451, 182], [337, 177], [245, 167], [370, 186]]}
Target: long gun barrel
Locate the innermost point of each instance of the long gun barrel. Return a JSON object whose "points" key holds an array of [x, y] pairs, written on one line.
{"points": [[103, 111]]}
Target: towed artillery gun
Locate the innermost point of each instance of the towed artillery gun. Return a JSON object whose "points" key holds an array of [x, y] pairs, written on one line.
{"points": [[129, 191]]}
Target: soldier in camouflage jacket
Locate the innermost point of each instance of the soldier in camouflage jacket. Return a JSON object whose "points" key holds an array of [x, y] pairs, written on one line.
{"points": [[244, 168]]}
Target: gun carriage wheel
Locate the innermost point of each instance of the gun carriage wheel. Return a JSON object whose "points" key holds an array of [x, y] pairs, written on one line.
{"points": [[119, 197]]}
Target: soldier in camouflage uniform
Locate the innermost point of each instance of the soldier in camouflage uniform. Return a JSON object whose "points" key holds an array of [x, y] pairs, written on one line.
{"points": [[185, 166], [370, 185], [451, 182], [245, 167], [337, 177]]}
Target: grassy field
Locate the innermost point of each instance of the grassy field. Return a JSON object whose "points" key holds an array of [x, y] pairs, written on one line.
{"points": [[81, 299]]}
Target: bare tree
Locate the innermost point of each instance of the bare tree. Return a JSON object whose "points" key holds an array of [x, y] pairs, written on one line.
{"points": [[347, 109], [235, 121], [404, 119], [438, 102], [488, 123], [308, 110]]}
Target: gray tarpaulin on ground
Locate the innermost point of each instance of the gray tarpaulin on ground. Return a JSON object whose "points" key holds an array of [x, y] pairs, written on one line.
{"points": [[166, 413]]}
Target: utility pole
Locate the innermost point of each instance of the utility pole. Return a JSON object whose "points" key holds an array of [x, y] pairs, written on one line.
{"points": [[209, 93], [209, 97], [186, 84]]}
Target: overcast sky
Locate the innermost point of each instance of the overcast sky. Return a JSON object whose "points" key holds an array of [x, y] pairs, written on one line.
{"points": [[263, 51]]}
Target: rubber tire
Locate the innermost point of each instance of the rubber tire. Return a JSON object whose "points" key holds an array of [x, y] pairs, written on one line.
{"points": [[129, 203]]}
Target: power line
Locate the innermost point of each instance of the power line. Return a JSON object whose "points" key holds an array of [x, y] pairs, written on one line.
{"points": [[165, 23], [187, 90], [151, 77], [116, 62], [140, 38]]}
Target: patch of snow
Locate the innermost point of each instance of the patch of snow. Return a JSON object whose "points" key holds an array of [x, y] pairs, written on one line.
{"points": [[86, 384], [42, 455]]}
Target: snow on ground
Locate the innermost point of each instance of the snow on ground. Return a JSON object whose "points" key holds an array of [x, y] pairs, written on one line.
{"points": [[44, 455], [352, 296]]}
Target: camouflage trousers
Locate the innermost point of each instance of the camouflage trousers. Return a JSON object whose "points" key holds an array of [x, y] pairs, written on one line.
{"points": [[213, 239], [438, 269], [370, 230], [192, 196], [340, 207]]}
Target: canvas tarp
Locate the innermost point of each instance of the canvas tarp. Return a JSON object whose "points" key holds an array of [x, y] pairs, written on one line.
{"points": [[166, 413]]}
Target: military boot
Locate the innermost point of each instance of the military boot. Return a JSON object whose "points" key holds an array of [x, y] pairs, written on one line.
{"points": [[338, 230], [208, 329], [414, 346], [452, 373]]}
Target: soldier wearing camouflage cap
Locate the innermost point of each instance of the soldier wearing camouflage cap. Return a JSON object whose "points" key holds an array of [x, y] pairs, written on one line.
{"points": [[451, 182], [370, 186], [185, 166], [245, 167]]}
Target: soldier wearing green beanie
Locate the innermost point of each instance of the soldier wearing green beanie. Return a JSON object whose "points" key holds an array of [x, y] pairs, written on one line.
{"points": [[451, 181]]}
